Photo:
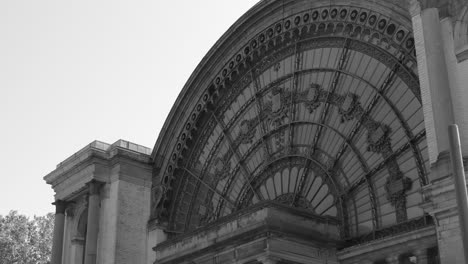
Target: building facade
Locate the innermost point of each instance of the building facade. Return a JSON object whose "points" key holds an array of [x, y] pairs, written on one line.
{"points": [[314, 131]]}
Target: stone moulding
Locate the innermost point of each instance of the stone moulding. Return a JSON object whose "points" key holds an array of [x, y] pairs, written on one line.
{"points": [[93, 162]]}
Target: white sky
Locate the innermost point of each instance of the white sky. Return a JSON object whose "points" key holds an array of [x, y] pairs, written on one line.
{"points": [[75, 71]]}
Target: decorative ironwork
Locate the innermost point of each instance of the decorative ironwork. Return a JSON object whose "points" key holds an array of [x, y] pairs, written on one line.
{"points": [[301, 202], [222, 167], [313, 97], [206, 214], [348, 107], [247, 132], [377, 138]]}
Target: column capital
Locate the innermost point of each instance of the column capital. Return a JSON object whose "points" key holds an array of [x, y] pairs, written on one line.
{"points": [[443, 6], [94, 187], [60, 206]]}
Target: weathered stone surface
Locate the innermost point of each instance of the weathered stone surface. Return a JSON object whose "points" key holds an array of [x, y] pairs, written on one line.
{"points": [[121, 201]]}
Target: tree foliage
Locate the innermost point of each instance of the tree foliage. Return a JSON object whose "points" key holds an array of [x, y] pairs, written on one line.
{"points": [[24, 240]]}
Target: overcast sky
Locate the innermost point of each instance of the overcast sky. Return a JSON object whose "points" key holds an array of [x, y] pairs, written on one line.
{"points": [[75, 71]]}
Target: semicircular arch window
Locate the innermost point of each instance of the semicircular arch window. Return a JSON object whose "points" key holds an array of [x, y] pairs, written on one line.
{"points": [[324, 116]]}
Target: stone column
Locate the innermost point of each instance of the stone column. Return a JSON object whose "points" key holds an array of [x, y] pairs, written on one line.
{"points": [[59, 224], [93, 222], [392, 259], [434, 78], [421, 256]]}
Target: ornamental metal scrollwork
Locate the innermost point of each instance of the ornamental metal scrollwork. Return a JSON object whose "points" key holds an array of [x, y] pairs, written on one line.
{"points": [[247, 132], [348, 107], [277, 67], [378, 138], [206, 213], [288, 199], [396, 187], [222, 167], [312, 96], [276, 111]]}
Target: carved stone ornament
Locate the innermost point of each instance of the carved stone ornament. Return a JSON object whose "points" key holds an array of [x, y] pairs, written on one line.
{"points": [[157, 194]]}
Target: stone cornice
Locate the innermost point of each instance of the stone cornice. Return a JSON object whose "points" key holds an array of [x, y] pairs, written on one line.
{"points": [[263, 220], [104, 152], [422, 238], [250, 210], [95, 162], [266, 204]]}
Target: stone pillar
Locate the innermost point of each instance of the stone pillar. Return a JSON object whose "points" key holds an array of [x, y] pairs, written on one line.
{"points": [[421, 256], [93, 222], [458, 91], [59, 224], [392, 259], [434, 78]]}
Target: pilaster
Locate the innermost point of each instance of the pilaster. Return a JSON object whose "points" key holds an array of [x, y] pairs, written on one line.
{"points": [[434, 79], [93, 222]]}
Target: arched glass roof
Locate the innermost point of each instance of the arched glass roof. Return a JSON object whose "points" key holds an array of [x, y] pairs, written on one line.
{"points": [[320, 111]]}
